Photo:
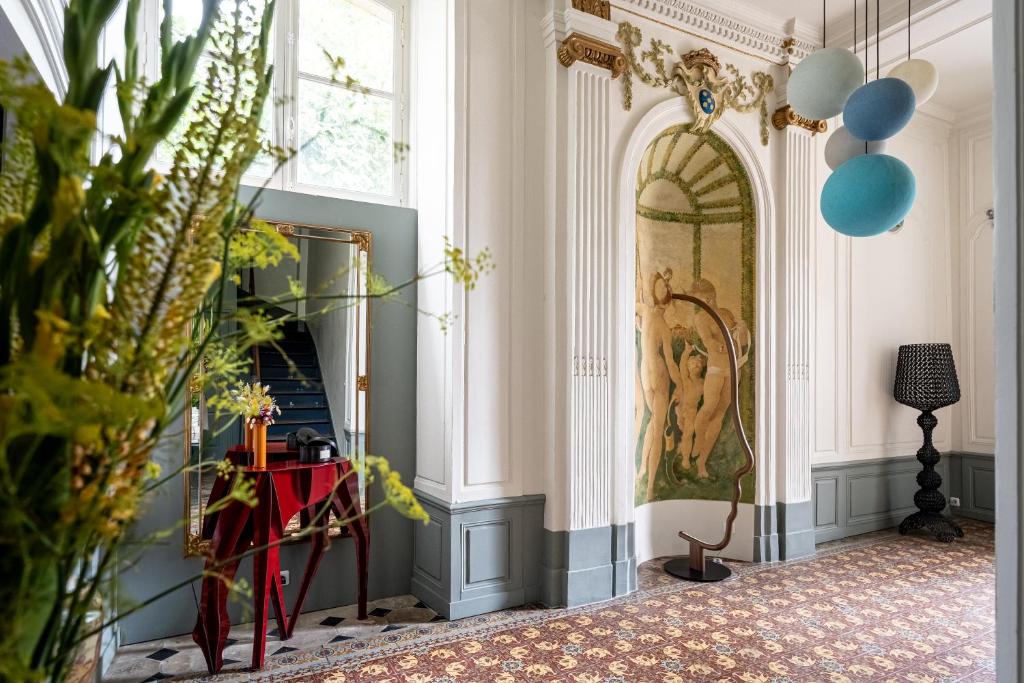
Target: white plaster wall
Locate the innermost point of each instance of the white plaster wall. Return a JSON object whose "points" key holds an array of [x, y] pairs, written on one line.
{"points": [[873, 294], [478, 153]]}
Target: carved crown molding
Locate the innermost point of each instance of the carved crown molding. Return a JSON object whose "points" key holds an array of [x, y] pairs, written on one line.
{"points": [[702, 58], [777, 46], [785, 116], [578, 47], [599, 8]]}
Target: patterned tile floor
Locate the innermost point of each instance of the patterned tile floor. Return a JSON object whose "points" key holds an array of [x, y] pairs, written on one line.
{"points": [[877, 607]]}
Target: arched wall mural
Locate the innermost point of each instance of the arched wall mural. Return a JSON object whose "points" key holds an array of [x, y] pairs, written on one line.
{"points": [[696, 231]]}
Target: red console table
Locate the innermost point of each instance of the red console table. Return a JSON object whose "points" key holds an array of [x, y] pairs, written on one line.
{"points": [[283, 490]]}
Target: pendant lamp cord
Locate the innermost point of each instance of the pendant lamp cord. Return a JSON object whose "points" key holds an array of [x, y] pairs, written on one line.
{"points": [[908, 30], [824, 23], [878, 39]]}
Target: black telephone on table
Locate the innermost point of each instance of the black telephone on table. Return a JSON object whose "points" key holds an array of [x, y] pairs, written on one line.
{"points": [[312, 445]]}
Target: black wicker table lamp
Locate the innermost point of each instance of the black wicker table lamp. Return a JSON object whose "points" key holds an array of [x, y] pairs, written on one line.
{"points": [[926, 380]]}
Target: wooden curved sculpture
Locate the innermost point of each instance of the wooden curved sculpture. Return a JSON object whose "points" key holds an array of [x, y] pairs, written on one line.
{"points": [[695, 567]]}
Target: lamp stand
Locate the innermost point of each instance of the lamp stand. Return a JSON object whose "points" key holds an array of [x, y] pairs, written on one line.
{"points": [[929, 500]]}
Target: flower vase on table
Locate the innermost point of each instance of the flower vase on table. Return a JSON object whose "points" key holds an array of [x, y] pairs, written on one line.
{"points": [[258, 409], [259, 431]]}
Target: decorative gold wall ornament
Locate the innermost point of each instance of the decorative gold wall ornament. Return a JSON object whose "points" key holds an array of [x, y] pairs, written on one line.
{"points": [[578, 47], [697, 77], [785, 116], [599, 8]]}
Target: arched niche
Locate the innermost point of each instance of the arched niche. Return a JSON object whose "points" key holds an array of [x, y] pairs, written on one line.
{"points": [[695, 234], [716, 182]]}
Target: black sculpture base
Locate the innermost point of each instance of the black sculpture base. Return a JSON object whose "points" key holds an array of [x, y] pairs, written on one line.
{"points": [[713, 571], [938, 526]]}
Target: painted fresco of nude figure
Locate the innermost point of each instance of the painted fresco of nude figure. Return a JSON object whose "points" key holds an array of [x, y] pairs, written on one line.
{"points": [[696, 235]]}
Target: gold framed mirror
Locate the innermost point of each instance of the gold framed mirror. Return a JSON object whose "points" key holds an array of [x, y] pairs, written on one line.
{"points": [[318, 371]]}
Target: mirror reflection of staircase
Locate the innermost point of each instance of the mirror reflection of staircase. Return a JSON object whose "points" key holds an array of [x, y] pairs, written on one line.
{"points": [[297, 385]]}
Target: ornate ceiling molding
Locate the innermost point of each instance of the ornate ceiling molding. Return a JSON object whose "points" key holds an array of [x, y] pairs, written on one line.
{"points": [[742, 34], [599, 8], [578, 47], [785, 116]]}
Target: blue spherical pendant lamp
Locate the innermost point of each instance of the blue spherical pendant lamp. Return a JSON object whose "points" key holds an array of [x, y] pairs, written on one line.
{"points": [[879, 109], [868, 195], [821, 83]]}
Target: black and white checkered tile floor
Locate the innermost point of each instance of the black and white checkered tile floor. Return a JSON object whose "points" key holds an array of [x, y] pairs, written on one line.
{"points": [[181, 658]]}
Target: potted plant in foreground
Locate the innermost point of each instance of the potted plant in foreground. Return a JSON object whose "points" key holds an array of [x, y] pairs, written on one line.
{"points": [[103, 262]]}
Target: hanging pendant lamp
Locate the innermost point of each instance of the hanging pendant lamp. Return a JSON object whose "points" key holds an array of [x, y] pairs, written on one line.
{"points": [[919, 74], [822, 81], [868, 195], [881, 108], [841, 147]]}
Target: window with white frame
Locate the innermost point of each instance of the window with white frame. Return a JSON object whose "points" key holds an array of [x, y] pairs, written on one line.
{"points": [[344, 126]]}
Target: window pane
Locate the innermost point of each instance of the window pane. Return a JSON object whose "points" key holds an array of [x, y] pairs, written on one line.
{"points": [[361, 32], [345, 139], [185, 20]]}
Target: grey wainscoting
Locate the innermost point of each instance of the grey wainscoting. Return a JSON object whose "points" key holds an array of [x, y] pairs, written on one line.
{"points": [[866, 495], [972, 479], [478, 557], [583, 566]]}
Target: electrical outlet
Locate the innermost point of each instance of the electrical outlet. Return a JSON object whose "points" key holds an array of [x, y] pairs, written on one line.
{"points": [[285, 577], [954, 502]]}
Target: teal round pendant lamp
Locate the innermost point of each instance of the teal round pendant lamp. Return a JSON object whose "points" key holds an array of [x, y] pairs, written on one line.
{"points": [[868, 195], [879, 109], [919, 74], [819, 85], [841, 147]]}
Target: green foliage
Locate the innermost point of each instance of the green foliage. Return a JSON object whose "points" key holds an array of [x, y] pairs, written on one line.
{"points": [[102, 265], [112, 288]]}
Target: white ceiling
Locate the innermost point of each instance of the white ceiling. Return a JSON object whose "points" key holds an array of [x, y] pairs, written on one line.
{"points": [[964, 63], [955, 35]]}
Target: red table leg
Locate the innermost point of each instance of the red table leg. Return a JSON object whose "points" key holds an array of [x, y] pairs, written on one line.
{"points": [[266, 568], [213, 623], [316, 552]]}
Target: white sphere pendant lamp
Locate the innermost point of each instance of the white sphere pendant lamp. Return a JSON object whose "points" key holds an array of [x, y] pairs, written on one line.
{"points": [[920, 75], [842, 147]]}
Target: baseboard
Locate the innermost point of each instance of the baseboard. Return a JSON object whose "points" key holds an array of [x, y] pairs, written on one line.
{"points": [[796, 530], [584, 566], [478, 557]]}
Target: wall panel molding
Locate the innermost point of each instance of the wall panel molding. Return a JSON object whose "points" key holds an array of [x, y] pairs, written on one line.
{"points": [[974, 240]]}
